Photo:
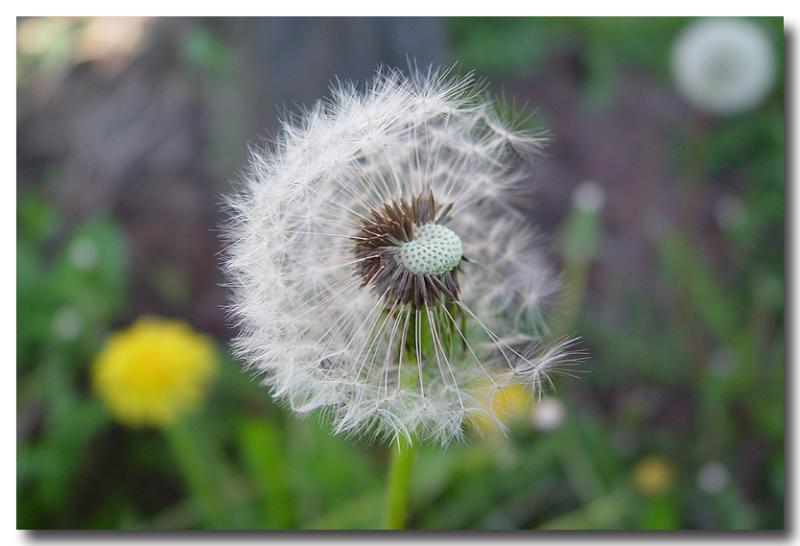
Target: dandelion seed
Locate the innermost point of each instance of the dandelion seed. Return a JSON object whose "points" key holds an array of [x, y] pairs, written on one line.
{"points": [[154, 372], [379, 269]]}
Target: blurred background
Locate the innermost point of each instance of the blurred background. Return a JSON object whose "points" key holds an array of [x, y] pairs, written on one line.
{"points": [[662, 203]]}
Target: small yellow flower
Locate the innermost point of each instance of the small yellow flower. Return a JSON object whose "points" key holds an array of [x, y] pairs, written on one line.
{"points": [[154, 372], [653, 475], [509, 404]]}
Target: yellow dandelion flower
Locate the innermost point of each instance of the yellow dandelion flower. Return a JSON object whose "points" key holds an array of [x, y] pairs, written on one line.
{"points": [[508, 403], [511, 402], [653, 475], [154, 372]]}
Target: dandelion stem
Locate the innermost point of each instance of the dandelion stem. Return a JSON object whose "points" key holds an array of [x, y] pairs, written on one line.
{"points": [[398, 483], [198, 470]]}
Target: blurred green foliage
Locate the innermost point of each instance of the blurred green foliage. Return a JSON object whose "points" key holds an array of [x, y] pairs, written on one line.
{"points": [[522, 46], [694, 375], [68, 293]]}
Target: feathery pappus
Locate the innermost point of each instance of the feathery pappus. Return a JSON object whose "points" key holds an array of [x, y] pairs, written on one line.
{"points": [[379, 269]]}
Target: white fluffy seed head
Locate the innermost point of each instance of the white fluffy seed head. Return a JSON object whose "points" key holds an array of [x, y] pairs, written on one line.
{"points": [[319, 334], [723, 66]]}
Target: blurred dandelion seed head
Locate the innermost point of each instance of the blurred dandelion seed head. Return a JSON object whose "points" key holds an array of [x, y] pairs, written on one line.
{"points": [[154, 372], [67, 323], [83, 254], [723, 66], [589, 196], [713, 477], [547, 414], [379, 268]]}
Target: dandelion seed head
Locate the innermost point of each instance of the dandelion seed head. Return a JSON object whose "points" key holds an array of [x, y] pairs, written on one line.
{"points": [[589, 196], [67, 323], [713, 477], [83, 254], [548, 414], [378, 267], [723, 66]]}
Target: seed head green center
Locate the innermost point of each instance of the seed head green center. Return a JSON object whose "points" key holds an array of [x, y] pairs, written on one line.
{"points": [[434, 250]]}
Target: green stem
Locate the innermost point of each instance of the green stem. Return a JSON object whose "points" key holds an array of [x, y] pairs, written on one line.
{"points": [[576, 273], [263, 445], [197, 471], [398, 484]]}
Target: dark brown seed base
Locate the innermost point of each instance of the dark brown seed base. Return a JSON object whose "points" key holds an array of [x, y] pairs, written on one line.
{"points": [[390, 226]]}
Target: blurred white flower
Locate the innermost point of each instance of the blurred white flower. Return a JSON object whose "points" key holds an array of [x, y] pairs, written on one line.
{"points": [[589, 196], [67, 323], [547, 414], [713, 477], [723, 66], [379, 270]]}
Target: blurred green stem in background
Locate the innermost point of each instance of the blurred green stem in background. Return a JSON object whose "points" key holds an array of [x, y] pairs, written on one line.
{"points": [[398, 482], [604, 512], [201, 475], [263, 445], [580, 239]]}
